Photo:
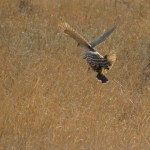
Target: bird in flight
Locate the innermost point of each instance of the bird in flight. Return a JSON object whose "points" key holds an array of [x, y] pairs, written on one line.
{"points": [[96, 61]]}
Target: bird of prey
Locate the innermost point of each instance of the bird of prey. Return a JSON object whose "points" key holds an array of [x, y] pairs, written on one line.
{"points": [[96, 61]]}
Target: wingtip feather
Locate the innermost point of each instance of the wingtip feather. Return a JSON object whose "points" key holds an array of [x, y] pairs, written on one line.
{"points": [[64, 26]]}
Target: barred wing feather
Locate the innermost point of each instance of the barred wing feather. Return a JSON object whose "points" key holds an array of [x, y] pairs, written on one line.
{"points": [[95, 59]]}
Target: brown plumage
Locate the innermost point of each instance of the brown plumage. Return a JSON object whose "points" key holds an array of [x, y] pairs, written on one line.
{"points": [[96, 61]]}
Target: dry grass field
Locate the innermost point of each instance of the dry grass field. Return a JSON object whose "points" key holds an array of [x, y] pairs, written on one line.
{"points": [[48, 99]]}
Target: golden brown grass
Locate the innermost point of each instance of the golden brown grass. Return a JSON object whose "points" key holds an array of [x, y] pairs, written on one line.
{"points": [[49, 101]]}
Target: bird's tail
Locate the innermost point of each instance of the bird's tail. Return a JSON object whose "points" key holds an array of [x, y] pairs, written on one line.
{"points": [[101, 78]]}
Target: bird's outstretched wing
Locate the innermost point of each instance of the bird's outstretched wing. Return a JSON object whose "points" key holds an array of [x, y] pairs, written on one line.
{"points": [[102, 38], [76, 36]]}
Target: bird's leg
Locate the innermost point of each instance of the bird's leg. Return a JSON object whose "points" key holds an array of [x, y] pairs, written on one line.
{"points": [[103, 71], [89, 68]]}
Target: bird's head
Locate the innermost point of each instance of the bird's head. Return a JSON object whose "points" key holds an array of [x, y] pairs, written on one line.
{"points": [[111, 57]]}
